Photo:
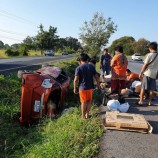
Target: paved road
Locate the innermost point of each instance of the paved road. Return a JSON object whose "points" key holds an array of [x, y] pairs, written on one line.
{"points": [[123, 144], [28, 63]]}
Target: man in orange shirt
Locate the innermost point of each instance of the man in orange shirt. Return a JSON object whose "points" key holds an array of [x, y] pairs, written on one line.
{"points": [[131, 77], [119, 65]]}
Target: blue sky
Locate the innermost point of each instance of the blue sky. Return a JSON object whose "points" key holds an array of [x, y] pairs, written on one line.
{"points": [[19, 18]]}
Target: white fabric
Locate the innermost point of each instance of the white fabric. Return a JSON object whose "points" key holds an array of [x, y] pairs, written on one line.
{"points": [[152, 69], [135, 83], [123, 107], [113, 105]]}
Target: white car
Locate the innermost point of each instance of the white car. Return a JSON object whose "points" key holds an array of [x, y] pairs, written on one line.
{"points": [[49, 53], [137, 57]]}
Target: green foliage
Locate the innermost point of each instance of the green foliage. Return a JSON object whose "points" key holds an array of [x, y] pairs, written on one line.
{"points": [[96, 33], [69, 50], [10, 90], [11, 52], [23, 50], [46, 39], [141, 46], [127, 43], [1, 45]]}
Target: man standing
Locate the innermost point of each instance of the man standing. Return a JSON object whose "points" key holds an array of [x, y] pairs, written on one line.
{"points": [[118, 70], [148, 73], [105, 64], [84, 74]]}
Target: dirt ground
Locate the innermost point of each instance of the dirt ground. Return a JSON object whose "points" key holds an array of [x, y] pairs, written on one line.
{"points": [[123, 144]]}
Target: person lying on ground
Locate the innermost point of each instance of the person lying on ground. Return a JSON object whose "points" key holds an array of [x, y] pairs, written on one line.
{"points": [[130, 77]]}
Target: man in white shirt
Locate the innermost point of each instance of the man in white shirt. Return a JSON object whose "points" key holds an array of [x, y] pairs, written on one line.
{"points": [[148, 73]]}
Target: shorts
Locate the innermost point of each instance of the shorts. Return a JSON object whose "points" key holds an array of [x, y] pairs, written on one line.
{"points": [[118, 85], [105, 69], [85, 95], [148, 83]]}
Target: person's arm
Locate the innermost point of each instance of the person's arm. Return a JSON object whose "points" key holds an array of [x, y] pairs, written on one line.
{"points": [[76, 79], [97, 80], [142, 70], [146, 61], [112, 63], [101, 62]]}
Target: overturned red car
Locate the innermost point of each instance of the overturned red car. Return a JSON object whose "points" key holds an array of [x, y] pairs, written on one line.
{"points": [[44, 92]]}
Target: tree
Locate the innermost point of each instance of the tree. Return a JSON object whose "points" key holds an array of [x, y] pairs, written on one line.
{"points": [[68, 43], [96, 33], [15, 46], [73, 43], [29, 43], [127, 43], [141, 46], [1, 45], [46, 39], [6, 46]]}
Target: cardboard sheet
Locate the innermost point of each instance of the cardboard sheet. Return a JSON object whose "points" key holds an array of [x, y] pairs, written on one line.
{"points": [[126, 121]]}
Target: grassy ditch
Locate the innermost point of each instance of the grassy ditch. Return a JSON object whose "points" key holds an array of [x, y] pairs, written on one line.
{"points": [[66, 136]]}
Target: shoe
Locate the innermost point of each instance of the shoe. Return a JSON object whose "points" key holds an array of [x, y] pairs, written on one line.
{"points": [[149, 104]]}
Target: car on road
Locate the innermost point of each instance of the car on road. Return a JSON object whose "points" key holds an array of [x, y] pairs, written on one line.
{"points": [[49, 53], [65, 53], [137, 57]]}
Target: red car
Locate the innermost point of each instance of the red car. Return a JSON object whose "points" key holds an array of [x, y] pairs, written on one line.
{"points": [[44, 91]]}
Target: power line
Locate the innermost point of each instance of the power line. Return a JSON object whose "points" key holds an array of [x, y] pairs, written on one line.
{"points": [[10, 15], [1, 36], [15, 33]]}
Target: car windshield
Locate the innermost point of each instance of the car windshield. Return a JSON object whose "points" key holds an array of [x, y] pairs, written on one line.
{"points": [[137, 55]]}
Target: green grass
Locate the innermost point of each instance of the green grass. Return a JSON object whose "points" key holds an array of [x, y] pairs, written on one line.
{"points": [[2, 54], [34, 53], [67, 136]]}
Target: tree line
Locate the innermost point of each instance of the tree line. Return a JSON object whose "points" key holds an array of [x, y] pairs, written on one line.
{"points": [[94, 36], [44, 40]]}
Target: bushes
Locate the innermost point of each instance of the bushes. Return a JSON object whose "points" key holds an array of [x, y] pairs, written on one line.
{"points": [[10, 52], [21, 51]]}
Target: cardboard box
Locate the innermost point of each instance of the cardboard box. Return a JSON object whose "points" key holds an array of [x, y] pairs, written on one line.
{"points": [[126, 121]]}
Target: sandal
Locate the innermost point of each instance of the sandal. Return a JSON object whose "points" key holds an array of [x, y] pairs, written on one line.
{"points": [[149, 104]]}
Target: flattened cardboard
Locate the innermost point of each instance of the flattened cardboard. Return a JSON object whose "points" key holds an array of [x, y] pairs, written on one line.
{"points": [[126, 121]]}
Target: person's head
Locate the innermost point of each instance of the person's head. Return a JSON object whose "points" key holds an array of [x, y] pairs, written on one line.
{"points": [[93, 60], [153, 47], [119, 49], [83, 58], [105, 51], [128, 72]]}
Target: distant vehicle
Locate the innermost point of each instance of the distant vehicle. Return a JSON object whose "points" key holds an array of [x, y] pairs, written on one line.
{"points": [[137, 57], [65, 53], [49, 53]]}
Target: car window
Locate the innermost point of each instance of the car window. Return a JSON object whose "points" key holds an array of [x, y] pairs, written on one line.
{"points": [[137, 55]]}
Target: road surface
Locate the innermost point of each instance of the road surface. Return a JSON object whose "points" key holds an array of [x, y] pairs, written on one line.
{"points": [[12, 65], [123, 144]]}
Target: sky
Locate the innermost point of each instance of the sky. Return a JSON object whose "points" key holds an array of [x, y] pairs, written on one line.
{"points": [[21, 18]]}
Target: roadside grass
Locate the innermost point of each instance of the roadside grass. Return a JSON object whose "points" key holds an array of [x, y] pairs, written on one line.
{"points": [[66, 136], [34, 53], [2, 54]]}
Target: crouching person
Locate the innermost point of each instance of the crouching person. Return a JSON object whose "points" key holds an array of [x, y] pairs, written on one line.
{"points": [[84, 74]]}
